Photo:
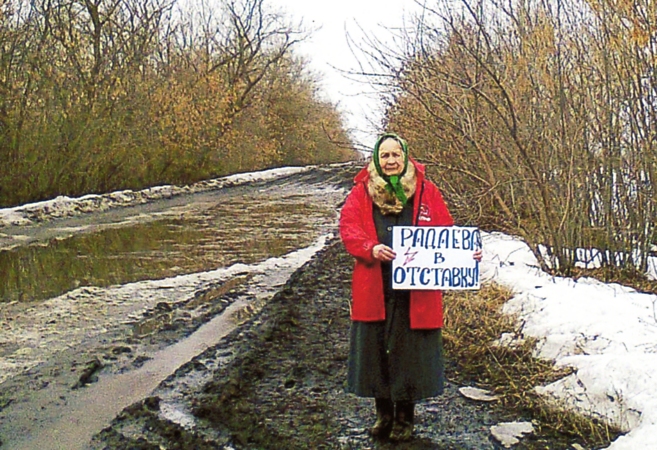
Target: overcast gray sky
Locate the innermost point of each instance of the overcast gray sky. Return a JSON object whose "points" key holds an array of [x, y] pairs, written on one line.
{"points": [[328, 48]]}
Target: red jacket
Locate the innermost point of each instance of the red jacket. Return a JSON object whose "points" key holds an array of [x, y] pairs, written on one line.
{"points": [[358, 234]]}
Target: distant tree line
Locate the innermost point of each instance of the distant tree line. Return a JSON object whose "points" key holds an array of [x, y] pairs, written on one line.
{"points": [[538, 117], [98, 95]]}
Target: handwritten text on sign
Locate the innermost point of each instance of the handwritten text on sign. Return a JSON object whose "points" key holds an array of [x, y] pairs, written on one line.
{"points": [[435, 257]]}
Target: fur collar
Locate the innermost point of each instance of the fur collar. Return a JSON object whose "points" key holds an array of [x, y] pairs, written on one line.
{"points": [[387, 202]]}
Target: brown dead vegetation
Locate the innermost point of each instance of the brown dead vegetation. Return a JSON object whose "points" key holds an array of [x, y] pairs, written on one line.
{"points": [[102, 95], [537, 118], [473, 326]]}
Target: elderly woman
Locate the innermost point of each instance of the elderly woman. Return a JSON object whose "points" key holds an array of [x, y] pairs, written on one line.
{"points": [[396, 342]]}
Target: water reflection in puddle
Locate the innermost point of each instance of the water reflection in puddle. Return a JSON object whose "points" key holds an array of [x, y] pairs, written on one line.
{"points": [[242, 229]]}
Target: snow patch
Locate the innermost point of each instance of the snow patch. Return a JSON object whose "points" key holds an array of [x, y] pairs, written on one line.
{"points": [[606, 332], [481, 395], [63, 206], [510, 433]]}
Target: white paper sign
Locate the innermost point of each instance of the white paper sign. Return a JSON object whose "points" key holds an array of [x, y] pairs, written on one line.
{"points": [[435, 258]]}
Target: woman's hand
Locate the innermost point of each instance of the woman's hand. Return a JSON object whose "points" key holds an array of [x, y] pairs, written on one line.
{"points": [[478, 254], [383, 253]]}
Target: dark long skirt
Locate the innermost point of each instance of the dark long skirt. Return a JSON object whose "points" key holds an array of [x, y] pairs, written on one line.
{"points": [[389, 360]]}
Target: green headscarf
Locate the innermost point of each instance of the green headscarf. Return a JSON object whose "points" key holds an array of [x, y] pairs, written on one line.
{"points": [[393, 183]]}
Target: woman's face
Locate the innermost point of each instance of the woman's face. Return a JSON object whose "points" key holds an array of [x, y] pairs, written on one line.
{"points": [[391, 157]]}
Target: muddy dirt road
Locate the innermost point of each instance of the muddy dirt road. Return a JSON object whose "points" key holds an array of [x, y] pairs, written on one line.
{"points": [[276, 382], [172, 325]]}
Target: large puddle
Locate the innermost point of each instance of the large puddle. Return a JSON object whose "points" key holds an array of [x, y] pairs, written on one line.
{"points": [[244, 229]]}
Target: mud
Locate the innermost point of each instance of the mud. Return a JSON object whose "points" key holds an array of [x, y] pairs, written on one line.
{"points": [[277, 382]]}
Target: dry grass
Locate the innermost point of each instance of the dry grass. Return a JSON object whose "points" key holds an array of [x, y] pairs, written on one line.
{"points": [[473, 323], [625, 276]]}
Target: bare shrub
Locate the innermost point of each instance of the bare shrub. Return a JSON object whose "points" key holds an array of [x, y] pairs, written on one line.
{"points": [[538, 118]]}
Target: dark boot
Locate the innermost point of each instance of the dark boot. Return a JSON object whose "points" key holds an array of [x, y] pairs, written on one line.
{"points": [[384, 415], [402, 429]]}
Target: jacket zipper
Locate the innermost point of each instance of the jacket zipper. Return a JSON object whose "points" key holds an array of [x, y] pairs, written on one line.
{"points": [[419, 206]]}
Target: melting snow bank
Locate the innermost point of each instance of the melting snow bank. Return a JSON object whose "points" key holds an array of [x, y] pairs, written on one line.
{"points": [[85, 315], [63, 206], [606, 332]]}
